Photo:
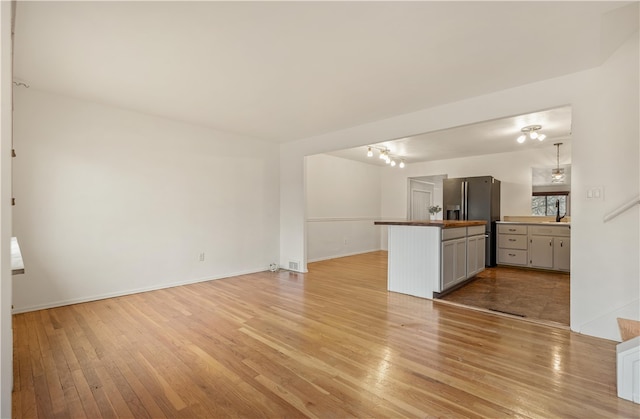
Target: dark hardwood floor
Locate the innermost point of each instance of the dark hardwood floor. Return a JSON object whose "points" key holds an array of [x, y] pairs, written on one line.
{"points": [[330, 343], [527, 293]]}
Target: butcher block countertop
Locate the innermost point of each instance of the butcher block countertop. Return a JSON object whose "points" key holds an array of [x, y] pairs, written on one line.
{"points": [[434, 223]]}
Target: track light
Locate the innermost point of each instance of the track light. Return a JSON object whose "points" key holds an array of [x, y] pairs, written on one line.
{"points": [[384, 154]]}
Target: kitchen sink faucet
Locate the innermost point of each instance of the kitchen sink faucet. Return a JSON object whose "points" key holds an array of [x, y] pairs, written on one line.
{"points": [[558, 217]]}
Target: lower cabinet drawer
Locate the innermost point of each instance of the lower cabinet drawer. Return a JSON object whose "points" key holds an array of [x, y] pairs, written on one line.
{"points": [[512, 241], [512, 256]]}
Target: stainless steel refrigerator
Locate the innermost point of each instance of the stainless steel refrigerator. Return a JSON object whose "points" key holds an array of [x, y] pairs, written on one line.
{"points": [[474, 198]]}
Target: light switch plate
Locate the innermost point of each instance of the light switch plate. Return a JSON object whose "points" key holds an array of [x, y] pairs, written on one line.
{"points": [[595, 193]]}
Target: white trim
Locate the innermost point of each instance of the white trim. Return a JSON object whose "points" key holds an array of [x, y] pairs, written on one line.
{"points": [[128, 292], [343, 255], [17, 264], [628, 369], [332, 219]]}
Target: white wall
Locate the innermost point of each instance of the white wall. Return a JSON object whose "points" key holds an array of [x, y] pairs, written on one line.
{"points": [[6, 334], [343, 200], [605, 279], [112, 202], [600, 126], [512, 169]]}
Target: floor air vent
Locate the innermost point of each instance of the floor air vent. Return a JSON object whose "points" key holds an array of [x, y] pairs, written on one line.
{"points": [[294, 266], [507, 312]]}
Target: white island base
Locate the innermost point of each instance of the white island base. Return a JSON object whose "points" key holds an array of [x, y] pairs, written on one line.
{"points": [[427, 258], [414, 260]]}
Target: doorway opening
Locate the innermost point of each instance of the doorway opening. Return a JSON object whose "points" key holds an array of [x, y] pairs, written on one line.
{"points": [[424, 191]]}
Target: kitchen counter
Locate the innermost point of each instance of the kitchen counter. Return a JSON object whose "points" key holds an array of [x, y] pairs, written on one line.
{"points": [[537, 223], [433, 223]]}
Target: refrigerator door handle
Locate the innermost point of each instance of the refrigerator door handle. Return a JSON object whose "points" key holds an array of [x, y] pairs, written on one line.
{"points": [[466, 200], [463, 199]]}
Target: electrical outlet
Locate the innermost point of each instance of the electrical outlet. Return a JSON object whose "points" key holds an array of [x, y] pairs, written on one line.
{"points": [[202, 257]]}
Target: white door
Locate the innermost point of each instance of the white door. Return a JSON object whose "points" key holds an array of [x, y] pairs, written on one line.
{"points": [[420, 202], [420, 199]]}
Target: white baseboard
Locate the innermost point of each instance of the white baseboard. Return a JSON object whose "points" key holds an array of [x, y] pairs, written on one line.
{"points": [[342, 255], [61, 303], [606, 326]]}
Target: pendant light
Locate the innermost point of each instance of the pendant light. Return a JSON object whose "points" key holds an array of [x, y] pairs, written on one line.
{"points": [[557, 174]]}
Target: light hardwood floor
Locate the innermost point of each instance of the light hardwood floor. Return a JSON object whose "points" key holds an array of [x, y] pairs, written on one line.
{"points": [[329, 343]]}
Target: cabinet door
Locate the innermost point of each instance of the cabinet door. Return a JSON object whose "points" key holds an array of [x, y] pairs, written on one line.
{"points": [[460, 272], [475, 255], [481, 254], [472, 256], [448, 264], [562, 253], [541, 252], [454, 262]]}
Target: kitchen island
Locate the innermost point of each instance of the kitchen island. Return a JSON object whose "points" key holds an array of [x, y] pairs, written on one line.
{"points": [[428, 258]]}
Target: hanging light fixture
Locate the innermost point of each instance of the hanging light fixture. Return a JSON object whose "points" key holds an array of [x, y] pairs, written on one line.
{"points": [[385, 155], [531, 131], [557, 174]]}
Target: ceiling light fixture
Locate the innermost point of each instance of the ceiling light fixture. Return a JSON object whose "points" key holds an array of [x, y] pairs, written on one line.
{"points": [[531, 131], [557, 174], [384, 154]]}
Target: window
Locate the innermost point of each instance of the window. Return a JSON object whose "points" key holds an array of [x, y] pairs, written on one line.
{"points": [[545, 203]]}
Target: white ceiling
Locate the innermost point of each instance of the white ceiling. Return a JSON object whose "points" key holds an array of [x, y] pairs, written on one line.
{"points": [[281, 71], [489, 137]]}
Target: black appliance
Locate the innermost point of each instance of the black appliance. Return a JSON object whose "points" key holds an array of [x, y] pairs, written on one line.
{"points": [[475, 198]]}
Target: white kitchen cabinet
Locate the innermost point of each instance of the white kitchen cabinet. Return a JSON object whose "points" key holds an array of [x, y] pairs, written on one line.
{"points": [[541, 252], [549, 247], [475, 255], [535, 245], [562, 253], [454, 262], [513, 243]]}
